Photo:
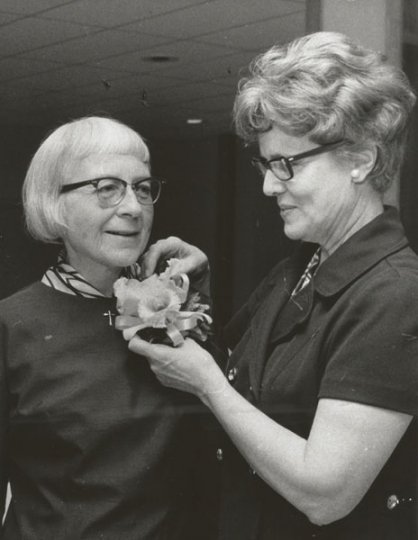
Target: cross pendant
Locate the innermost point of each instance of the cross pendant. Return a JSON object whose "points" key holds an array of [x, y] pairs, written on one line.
{"points": [[110, 315]]}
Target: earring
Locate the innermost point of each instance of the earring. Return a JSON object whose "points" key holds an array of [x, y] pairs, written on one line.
{"points": [[355, 173]]}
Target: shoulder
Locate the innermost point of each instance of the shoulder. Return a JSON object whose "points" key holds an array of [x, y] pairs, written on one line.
{"points": [[21, 296], [384, 300], [393, 281], [30, 301], [403, 263]]}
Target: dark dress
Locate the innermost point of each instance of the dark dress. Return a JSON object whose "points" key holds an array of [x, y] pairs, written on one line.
{"points": [[94, 447], [351, 334]]}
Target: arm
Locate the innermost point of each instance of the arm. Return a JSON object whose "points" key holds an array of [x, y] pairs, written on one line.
{"points": [[325, 476], [194, 262]]}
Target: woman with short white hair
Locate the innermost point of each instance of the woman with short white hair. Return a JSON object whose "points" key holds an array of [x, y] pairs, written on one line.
{"points": [[91, 443]]}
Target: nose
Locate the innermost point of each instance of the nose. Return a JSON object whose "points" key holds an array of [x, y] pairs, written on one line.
{"points": [[129, 205], [272, 186]]}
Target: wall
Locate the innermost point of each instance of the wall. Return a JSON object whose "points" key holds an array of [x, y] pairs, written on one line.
{"points": [[409, 181], [22, 260], [259, 241], [187, 205]]}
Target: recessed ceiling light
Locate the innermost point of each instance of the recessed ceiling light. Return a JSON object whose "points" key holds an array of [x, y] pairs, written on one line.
{"points": [[160, 59], [194, 120]]}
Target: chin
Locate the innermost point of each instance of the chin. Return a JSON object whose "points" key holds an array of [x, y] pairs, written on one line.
{"points": [[125, 260], [298, 233], [292, 234]]}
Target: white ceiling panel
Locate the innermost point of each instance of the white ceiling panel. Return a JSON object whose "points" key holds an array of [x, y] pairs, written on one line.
{"points": [[29, 7], [213, 16], [32, 33], [60, 59], [121, 87], [102, 44], [70, 77], [55, 100], [261, 35], [6, 18], [111, 13], [223, 70], [19, 67], [185, 51]]}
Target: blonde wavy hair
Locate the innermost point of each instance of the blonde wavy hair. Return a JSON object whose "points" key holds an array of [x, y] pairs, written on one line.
{"points": [[330, 88]]}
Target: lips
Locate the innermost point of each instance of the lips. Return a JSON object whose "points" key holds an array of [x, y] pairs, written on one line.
{"points": [[123, 233]]}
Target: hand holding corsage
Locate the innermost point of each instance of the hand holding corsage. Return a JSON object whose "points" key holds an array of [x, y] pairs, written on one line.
{"points": [[161, 308]]}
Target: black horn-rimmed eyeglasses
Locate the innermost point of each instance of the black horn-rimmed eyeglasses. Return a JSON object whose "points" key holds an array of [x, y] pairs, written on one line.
{"points": [[111, 190], [281, 166]]}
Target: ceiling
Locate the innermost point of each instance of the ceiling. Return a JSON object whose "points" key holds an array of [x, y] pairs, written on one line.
{"points": [[62, 59]]}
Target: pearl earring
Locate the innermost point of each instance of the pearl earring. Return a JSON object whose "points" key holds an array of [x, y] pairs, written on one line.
{"points": [[355, 173]]}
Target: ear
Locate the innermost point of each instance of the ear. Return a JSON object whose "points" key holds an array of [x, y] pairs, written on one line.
{"points": [[363, 164]]}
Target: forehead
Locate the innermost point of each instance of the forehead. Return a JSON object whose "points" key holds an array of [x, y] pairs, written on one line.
{"points": [[276, 142], [96, 165]]}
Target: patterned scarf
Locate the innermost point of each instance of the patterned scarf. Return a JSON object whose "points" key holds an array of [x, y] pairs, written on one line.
{"points": [[64, 278], [308, 273]]}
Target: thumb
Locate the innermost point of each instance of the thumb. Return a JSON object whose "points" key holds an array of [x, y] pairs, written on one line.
{"points": [[140, 346], [148, 263]]}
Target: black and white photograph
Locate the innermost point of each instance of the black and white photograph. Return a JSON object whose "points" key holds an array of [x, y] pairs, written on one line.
{"points": [[209, 269]]}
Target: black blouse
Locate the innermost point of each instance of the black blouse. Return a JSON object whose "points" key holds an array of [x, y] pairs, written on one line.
{"points": [[93, 445], [351, 334]]}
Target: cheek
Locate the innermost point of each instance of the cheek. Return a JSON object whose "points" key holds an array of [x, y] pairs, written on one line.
{"points": [[145, 232], [74, 211], [81, 227], [148, 220], [84, 224]]}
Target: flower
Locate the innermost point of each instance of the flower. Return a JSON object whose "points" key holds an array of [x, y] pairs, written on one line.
{"points": [[161, 302]]}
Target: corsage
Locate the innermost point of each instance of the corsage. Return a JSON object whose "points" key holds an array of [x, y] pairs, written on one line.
{"points": [[161, 308]]}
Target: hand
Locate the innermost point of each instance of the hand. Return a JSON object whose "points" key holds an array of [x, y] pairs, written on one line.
{"points": [[188, 367], [193, 261]]}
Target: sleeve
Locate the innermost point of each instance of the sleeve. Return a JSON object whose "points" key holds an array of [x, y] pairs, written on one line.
{"points": [[372, 353], [3, 424]]}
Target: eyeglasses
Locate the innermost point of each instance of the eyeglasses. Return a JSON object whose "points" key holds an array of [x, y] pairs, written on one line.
{"points": [[110, 191], [281, 166]]}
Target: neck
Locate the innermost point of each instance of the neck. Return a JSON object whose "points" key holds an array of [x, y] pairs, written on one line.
{"points": [[105, 286], [361, 217], [102, 278], [102, 282]]}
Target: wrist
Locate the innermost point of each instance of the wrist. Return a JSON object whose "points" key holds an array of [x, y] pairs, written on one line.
{"points": [[218, 387]]}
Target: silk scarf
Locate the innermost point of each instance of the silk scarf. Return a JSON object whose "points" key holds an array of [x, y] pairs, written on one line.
{"points": [[63, 277]]}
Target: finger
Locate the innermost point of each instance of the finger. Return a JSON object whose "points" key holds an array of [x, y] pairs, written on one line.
{"points": [[139, 346], [148, 262], [192, 262], [150, 350], [157, 255]]}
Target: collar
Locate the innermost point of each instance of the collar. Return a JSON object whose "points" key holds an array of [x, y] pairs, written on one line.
{"points": [[308, 273], [63, 277], [375, 241]]}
